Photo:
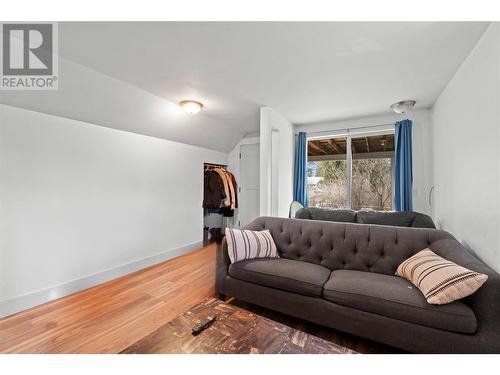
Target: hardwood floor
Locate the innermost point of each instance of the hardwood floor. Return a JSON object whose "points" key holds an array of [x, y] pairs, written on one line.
{"points": [[112, 316]]}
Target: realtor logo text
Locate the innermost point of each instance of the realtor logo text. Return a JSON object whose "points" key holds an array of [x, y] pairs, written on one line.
{"points": [[29, 58]]}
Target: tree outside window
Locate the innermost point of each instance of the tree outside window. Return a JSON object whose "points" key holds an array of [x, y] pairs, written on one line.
{"points": [[371, 175]]}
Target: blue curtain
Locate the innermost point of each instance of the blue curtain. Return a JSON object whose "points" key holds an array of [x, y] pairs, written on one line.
{"points": [[300, 173], [403, 167]]}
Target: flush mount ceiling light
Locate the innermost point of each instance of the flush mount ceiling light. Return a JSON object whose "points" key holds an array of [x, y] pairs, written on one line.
{"points": [[404, 106], [191, 106]]}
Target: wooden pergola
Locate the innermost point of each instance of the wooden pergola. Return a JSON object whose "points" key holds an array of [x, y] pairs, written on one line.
{"points": [[375, 146]]}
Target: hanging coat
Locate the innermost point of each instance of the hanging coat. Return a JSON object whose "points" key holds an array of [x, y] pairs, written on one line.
{"points": [[213, 191]]}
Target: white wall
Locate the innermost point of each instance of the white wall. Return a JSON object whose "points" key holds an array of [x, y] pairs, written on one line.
{"points": [[79, 200], [466, 138], [279, 170], [422, 151]]}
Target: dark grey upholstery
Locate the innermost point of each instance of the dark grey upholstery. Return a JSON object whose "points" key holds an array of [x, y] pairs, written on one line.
{"points": [[396, 298], [348, 246], [398, 219], [285, 274], [379, 250], [315, 213]]}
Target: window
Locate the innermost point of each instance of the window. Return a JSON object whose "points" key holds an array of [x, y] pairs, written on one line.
{"points": [[327, 180], [359, 179]]}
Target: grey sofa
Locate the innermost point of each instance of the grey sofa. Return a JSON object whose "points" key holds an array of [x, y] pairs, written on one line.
{"points": [[399, 219], [341, 275]]}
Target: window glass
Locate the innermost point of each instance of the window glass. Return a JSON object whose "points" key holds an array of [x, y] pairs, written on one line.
{"points": [[327, 173], [372, 172]]}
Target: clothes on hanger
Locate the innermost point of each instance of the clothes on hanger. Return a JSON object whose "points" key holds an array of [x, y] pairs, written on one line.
{"points": [[235, 187], [220, 191], [222, 174], [231, 191], [213, 190]]}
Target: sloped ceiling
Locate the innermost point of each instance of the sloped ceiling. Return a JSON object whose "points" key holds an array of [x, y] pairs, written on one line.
{"points": [[131, 75]]}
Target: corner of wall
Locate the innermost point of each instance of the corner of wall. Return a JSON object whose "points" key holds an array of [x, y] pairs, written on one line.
{"points": [[278, 173], [465, 139]]}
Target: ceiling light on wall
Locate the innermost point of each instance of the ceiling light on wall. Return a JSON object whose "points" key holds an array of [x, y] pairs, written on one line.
{"points": [[191, 106], [404, 106]]}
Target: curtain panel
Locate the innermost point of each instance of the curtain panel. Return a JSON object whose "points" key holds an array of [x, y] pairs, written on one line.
{"points": [[403, 175], [300, 172]]}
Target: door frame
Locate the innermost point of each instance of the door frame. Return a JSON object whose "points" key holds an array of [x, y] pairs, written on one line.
{"points": [[243, 142]]}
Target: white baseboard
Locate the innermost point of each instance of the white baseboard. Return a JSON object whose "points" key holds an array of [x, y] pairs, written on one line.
{"points": [[17, 304]]}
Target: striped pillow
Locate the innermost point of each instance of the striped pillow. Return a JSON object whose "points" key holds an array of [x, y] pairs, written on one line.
{"points": [[440, 280], [249, 244]]}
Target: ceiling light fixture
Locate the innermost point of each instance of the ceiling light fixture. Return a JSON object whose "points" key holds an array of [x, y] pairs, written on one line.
{"points": [[191, 106], [403, 106]]}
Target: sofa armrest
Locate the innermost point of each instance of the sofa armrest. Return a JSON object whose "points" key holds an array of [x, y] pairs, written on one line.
{"points": [[485, 302], [422, 221], [303, 213], [222, 261], [222, 265]]}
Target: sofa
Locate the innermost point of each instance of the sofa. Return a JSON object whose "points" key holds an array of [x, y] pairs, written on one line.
{"points": [[341, 275], [399, 219]]}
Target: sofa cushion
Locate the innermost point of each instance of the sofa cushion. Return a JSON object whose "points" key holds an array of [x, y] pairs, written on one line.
{"points": [[285, 274], [396, 298]]}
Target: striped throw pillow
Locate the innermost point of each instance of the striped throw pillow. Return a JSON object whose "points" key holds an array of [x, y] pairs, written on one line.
{"points": [[249, 244], [439, 280]]}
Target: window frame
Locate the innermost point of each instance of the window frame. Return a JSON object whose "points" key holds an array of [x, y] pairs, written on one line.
{"points": [[349, 134]]}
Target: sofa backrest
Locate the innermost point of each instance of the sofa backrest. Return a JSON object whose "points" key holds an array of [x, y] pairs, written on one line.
{"points": [[372, 248], [338, 215], [399, 219]]}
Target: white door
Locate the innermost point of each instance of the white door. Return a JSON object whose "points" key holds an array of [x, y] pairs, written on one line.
{"points": [[248, 202]]}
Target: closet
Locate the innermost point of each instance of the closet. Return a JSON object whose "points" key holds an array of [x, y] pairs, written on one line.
{"points": [[220, 199]]}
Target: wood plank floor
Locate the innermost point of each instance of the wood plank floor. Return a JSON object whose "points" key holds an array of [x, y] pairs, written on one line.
{"points": [[112, 316]]}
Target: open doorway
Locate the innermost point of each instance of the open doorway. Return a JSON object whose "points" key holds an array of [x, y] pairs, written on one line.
{"points": [[220, 200]]}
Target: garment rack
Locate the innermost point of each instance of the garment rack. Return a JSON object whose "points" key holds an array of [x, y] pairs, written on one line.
{"points": [[212, 165], [207, 166]]}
